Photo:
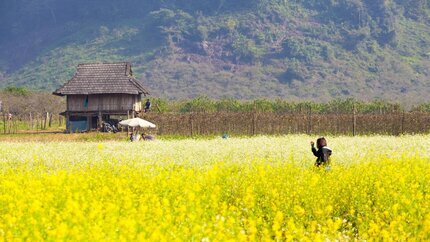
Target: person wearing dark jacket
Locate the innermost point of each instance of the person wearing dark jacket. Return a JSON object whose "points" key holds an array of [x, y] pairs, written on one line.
{"points": [[147, 106], [323, 153]]}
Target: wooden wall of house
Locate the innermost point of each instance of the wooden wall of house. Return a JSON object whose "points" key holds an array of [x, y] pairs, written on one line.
{"points": [[104, 102]]}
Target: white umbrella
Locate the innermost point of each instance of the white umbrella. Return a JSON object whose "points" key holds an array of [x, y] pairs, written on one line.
{"points": [[137, 122]]}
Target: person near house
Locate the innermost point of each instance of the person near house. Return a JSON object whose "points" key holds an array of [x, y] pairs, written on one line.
{"points": [[323, 153], [147, 105]]}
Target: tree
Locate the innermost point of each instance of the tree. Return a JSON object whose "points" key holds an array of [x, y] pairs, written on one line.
{"points": [[17, 90]]}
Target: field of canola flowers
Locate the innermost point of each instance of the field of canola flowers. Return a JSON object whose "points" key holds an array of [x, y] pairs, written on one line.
{"points": [[240, 189]]}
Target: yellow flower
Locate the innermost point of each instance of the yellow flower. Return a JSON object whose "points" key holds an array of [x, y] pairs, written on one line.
{"points": [[249, 189]]}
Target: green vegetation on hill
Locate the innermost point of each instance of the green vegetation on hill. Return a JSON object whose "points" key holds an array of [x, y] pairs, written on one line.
{"points": [[313, 49]]}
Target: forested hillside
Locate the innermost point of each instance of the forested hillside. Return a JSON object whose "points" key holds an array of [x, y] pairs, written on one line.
{"points": [[292, 49]]}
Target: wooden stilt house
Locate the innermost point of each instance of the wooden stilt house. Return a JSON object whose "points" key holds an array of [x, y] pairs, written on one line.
{"points": [[98, 91]]}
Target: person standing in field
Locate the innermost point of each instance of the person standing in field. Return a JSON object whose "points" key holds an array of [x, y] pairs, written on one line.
{"points": [[147, 105], [323, 153]]}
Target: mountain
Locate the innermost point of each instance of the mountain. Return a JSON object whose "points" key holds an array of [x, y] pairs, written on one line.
{"points": [[292, 49]]}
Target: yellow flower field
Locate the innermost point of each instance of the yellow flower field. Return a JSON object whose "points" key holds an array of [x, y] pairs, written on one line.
{"points": [[240, 189]]}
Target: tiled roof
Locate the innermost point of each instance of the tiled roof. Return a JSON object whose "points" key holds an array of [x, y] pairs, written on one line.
{"points": [[102, 78]]}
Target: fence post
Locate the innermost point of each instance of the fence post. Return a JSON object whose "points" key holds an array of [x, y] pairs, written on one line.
{"points": [[8, 122], [254, 118], [191, 125], [31, 121], [50, 120], [45, 120], [4, 122], [15, 127], [337, 120], [403, 122], [354, 120], [310, 120], [296, 122]]}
